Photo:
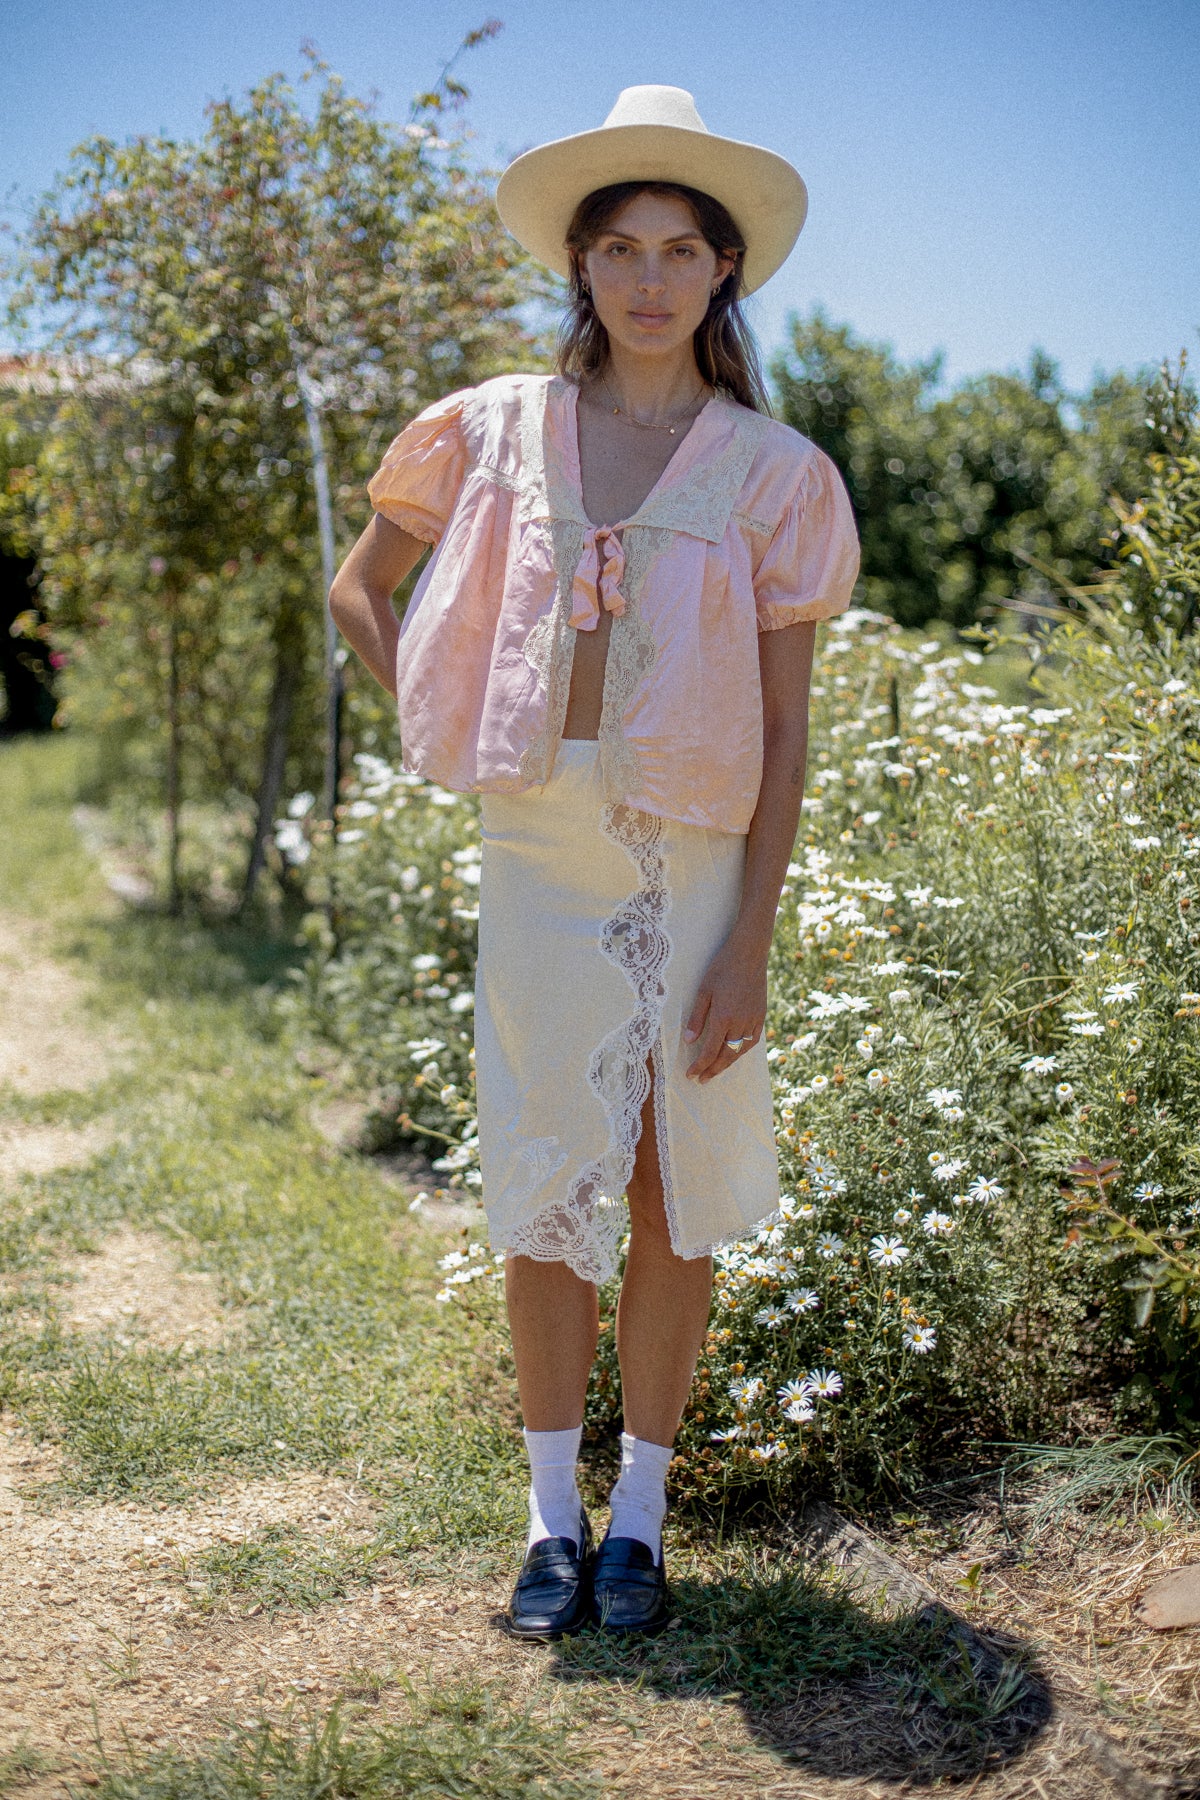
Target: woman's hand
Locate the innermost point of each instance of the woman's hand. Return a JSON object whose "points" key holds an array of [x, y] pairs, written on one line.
{"points": [[731, 1003]]}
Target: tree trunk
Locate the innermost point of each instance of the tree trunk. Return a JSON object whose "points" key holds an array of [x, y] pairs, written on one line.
{"points": [[310, 397], [174, 760], [288, 653]]}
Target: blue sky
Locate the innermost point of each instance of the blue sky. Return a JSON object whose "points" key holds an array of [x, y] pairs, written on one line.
{"points": [[983, 178]]}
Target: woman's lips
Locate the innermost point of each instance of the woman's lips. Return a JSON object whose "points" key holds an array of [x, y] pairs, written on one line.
{"points": [[650, 318]]}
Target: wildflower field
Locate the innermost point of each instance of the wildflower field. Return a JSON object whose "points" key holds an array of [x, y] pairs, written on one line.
{"points": [[985, 1041]]}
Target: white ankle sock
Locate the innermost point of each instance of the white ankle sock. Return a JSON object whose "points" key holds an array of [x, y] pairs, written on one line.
{"points": [[639, 1500], [554, 1503]]}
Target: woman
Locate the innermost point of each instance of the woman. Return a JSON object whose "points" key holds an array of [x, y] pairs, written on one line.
{"points": [[612, 643]]}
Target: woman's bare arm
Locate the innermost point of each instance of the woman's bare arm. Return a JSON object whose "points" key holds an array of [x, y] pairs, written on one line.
{"points": [[732, 1001], [360, 599]]}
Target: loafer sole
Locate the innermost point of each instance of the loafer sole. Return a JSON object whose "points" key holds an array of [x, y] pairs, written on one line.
{"points": [[514, 1630]]}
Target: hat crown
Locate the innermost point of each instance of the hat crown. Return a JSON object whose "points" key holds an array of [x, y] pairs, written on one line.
{"points": [[650, 105]]}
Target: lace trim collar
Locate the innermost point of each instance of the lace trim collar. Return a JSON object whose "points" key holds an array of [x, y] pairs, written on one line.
{"points": [[695, 493]]}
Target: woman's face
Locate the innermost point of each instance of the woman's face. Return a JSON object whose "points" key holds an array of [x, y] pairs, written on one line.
{"points": [[652, 274]]}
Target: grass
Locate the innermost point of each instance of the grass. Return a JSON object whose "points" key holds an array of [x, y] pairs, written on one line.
{"points": [[458, 1743], [1116, 1474], [341, 1361]]}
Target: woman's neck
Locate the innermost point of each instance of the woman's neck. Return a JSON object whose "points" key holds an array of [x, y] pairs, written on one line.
{"points": [[653, 387]]}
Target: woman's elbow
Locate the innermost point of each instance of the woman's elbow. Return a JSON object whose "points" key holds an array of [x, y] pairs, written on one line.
{"points": [[341, 600]]}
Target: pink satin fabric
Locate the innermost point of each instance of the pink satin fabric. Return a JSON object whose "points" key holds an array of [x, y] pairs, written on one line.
{"points": [[598, 583], [749, 529]]}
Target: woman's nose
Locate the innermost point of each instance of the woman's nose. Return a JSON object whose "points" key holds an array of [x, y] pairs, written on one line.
{"points": [[650, 278]]}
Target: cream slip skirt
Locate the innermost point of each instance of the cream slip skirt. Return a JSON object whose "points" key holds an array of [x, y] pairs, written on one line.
{"points": [[596, 924]]}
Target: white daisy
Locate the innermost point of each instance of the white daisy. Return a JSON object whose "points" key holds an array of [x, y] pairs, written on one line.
{"points": [[1064, 1091], [937, 1224], [745, 1393], [1148, 1190], [829, 1245], [800, 1300], [887, 1252], [943, 1096], [1119, 993], [902, 1216], [771, 1316], [793, 1390], [985, 1189], [1040, 1065], [824, 1384], [800, 1411], [876, 1079], [920, 1338], [726, 1437], [767, 1452]]}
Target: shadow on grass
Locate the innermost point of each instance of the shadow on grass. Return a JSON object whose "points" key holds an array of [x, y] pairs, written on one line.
{"points": [[196, 956], [828, 1684]]}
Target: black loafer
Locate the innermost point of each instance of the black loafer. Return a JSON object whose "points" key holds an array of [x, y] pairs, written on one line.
{"points": [[629, 1589], [554, 1589]]}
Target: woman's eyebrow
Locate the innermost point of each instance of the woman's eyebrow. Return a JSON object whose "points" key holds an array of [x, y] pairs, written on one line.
{"points": [[631, 237]]}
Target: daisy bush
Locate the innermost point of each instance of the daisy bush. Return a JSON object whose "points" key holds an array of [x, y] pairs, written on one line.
{"points": [[390, 979], [984, 1039]]}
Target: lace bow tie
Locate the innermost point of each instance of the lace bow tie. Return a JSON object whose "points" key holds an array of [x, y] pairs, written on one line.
{"points": [[598, 582]]}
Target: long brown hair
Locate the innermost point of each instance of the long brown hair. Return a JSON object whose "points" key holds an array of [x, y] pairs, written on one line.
{"points": [[726, 354]]}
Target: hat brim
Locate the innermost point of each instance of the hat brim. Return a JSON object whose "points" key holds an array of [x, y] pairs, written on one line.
{"points": [[538, 193]]}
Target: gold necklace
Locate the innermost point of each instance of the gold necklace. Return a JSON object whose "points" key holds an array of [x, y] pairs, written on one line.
{"points": [[647, 424]]}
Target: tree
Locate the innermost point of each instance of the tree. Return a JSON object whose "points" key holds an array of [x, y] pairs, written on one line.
{"points": [[204, 284], [964, 498], [26, 661]]}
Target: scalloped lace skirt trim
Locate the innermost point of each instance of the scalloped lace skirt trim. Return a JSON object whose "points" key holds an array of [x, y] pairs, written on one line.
{"points": [[596, 923]]}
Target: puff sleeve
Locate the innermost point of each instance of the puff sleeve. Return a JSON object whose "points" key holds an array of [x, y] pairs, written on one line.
{"points": [[419, 480], [810, 566]]}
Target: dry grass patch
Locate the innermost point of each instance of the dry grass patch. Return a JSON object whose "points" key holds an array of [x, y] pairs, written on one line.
{"points": [[132, 1285], [43, 1044], [40, 1149], [1071, 1591]]}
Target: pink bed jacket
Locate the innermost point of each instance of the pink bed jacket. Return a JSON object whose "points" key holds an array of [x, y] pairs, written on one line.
{"points": [[748, 529]]}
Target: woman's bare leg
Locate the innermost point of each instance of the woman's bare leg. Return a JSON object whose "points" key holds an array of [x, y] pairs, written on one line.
{"points": [[554, 1320], [663, 1310], [661, 1319]]}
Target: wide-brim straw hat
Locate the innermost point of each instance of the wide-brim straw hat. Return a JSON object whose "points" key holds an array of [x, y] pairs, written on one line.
{"points": [[655, 134]]}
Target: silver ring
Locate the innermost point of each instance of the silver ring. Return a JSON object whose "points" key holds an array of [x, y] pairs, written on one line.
{"points": [[735, 1043]]}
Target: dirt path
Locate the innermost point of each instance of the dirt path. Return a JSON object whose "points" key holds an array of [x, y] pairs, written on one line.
{"points": [[105, 1629]]}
